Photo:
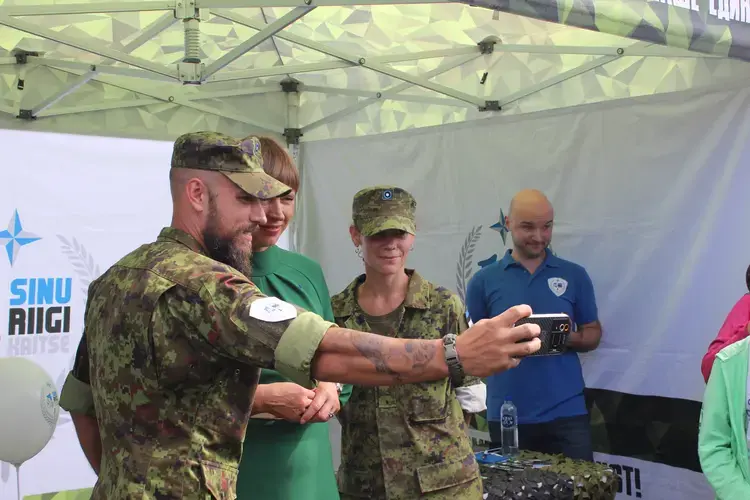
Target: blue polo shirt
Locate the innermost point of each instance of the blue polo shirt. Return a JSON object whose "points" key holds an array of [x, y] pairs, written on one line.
{"points": [[543, 388]]}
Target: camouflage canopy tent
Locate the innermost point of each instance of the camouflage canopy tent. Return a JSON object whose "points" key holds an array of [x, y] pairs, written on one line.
{"points": [[318, 69]]}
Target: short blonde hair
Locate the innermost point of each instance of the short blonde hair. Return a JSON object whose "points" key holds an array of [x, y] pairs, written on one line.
{"points": [[278, 163]]}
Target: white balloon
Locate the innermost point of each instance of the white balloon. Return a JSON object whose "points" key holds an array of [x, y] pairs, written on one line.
{"points": [[30, 409]]}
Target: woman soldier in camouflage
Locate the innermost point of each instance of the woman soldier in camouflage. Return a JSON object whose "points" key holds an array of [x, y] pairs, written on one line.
{"points": [[411, 441]]}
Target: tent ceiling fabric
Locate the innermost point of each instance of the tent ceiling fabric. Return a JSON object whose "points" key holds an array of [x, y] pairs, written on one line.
{"points": [[119, 68]]}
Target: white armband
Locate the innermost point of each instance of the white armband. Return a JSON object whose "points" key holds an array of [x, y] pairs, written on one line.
{"points": [[473, 398]]}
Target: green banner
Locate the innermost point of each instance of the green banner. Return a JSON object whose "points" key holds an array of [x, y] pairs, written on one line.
{"points": [[719, 27], [84, 494]]}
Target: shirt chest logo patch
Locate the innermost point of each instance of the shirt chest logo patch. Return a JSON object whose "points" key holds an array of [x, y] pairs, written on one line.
{"points": [[557, 285]]}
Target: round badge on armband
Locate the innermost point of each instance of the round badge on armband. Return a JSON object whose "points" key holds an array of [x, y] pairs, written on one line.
{"points": [[272, 310]]}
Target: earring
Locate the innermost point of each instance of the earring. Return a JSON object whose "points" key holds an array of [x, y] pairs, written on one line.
{"points": [[358, 251], [412, 248]]}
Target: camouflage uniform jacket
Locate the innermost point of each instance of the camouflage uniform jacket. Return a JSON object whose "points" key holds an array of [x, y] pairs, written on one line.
{"points": [[407, 442], [175, 348]]}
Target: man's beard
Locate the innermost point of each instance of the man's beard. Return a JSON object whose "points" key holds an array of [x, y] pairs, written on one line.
{"points": [[223, 248], [527, 253]]}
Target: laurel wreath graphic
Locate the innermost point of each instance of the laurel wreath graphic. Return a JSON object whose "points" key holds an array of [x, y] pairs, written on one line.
{"points": [[82, 261], [87, 271], [465, 261]]}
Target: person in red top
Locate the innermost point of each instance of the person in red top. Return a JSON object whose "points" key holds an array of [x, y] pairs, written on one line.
{"points": [[736, 327]]}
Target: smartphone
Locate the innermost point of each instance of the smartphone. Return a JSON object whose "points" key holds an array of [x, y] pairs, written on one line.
{"points": [[555, 328]]}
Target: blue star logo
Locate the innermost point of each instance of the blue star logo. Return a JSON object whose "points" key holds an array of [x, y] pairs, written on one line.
{"points": [[500, 226], [15, 237]]}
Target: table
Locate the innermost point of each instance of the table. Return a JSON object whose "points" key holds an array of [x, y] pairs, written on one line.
{"points": [[562, 478], [591, 481]]}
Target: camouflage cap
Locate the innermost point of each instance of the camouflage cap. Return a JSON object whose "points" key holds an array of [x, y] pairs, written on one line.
{"points": [[240, 160], [380, 208]]}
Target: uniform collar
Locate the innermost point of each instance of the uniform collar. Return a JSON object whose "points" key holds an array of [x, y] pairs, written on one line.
{"points": [[417, 294], [180, 236], [550, 260]]}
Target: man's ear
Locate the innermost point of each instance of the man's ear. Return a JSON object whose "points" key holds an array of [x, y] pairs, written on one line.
{"points": [[196, 192]]}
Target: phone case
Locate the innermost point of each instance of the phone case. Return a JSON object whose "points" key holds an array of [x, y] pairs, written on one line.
{"points": [[555, 331]]}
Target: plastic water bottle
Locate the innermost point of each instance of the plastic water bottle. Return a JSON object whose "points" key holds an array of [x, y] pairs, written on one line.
{"points": [[509, 419]]}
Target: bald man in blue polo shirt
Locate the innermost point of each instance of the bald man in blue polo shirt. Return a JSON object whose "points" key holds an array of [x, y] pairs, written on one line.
{"points": [[547, 390]]}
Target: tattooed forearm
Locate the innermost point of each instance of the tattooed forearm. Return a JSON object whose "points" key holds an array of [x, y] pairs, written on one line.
{"points": [[353, 357], [408, 358], [422, 353], [373, 348]]}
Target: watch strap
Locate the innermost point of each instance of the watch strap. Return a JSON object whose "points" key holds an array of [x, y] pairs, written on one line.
{"points": [[455, 368]]}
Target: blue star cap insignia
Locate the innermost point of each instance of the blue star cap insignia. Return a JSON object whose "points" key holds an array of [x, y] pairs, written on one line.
{"points": [[500, 227], [387, 194], [15, 237]]}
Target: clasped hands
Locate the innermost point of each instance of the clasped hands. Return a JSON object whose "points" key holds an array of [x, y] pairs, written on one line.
{"points": [[294, 403]]}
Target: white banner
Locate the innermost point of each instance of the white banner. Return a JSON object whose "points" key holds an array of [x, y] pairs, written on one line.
{"points": [[72, 206], [649, 196], [651, 481]]}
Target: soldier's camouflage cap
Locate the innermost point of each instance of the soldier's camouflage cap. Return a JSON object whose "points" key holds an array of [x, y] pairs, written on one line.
{"points": [[380, 208], [240, 160]]}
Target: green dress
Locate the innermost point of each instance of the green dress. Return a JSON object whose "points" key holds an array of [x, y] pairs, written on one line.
{"points": [[282, 460]]}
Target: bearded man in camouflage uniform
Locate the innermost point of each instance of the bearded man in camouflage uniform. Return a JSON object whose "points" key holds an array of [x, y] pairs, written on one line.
{"points": [[175, 335], [409, 441]]}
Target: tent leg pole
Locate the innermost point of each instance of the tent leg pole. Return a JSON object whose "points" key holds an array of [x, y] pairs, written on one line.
{"points": [[292, 132]]}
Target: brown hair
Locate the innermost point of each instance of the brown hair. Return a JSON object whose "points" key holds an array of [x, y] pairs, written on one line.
{"points": [[278, 163]]}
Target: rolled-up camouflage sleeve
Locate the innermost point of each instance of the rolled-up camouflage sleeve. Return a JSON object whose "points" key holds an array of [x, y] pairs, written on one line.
{"points": [[275, 334], [472, 395], [76, 396]]}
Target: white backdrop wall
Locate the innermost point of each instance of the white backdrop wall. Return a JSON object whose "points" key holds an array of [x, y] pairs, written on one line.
{"points": [[90, 200], [649, 196]]}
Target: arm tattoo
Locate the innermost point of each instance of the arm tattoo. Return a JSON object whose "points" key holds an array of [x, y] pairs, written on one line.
{"points": [[371, 347], [412, 357], [420, 352]]}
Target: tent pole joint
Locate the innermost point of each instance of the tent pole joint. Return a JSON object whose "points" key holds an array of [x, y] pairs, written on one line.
{"points": [[186, 9], [22, 56], [289, 85], [292, 132], [292, 135], [190, 73], [22, 59], [490, 106], [26, 114], [487, 46]]}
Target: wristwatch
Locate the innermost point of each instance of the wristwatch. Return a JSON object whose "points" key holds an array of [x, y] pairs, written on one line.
{"points": [[455, 369]]}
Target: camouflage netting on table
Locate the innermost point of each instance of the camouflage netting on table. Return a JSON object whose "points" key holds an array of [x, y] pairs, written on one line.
{"points": [[562, 479]]}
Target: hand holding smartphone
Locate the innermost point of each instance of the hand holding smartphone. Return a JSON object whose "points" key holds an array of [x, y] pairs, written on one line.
{"points": [[555, 330]]}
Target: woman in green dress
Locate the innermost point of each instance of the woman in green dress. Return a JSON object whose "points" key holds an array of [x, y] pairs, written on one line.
{"points": [[284, 459]]}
